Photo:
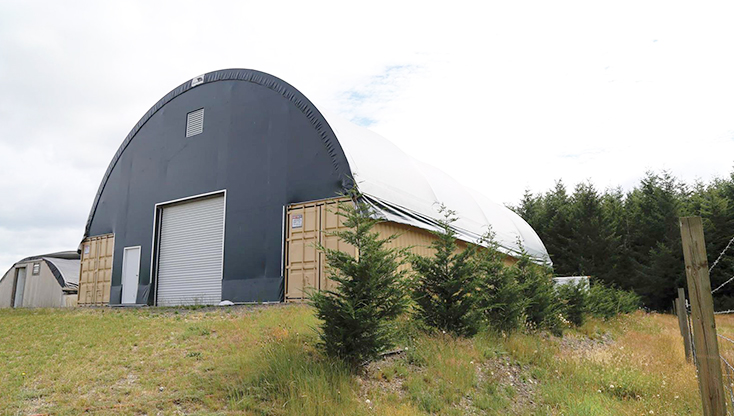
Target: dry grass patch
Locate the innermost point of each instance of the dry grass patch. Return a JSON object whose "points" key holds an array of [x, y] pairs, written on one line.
{"points": [[264, 361], [642, 372], [128, 361]]}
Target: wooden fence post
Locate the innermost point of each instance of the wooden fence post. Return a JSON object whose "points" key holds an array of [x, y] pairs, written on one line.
{"points": [[683, 321], [702, 317]]}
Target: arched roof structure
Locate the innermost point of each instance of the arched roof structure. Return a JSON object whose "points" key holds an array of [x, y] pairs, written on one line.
{"points": [[408, 191], [400, 188]]}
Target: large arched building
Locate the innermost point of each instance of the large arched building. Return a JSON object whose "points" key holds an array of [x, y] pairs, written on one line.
{"points": [[219, 191]]}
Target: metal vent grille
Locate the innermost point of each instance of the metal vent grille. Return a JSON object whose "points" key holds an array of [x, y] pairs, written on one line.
{"points": [[195, 122]]}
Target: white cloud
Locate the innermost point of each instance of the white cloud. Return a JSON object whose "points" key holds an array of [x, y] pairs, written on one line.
{"points": [[502, 96]]}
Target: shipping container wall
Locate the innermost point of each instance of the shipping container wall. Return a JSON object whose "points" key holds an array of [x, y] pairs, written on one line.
{"points": [[419, 239], [331, 221], [309, 224], [96, 270], [302, 265]]}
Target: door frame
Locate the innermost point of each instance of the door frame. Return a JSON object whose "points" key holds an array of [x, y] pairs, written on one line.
{"points": [[15, 284], [122, 273], [155, 245]]}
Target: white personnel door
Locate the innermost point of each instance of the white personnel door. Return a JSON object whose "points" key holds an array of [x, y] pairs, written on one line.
{"points": [[130, 274], [191, 251]]}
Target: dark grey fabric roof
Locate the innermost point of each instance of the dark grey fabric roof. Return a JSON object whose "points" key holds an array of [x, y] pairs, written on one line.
{"points": [[248, 75], [69, 255]]}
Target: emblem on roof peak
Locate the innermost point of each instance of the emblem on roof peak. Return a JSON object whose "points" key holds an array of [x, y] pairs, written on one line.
{"points": [[197, 80]]}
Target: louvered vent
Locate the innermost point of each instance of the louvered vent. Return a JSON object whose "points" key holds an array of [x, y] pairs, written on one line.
{"points": [[195, 122]]}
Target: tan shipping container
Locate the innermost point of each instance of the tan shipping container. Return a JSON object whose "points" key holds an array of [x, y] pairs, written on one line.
{"points": [[95, 278], [418, 239], [310, 223]]}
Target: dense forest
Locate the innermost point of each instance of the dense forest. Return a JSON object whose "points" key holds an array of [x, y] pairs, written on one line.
{"points": [[632, 240]]}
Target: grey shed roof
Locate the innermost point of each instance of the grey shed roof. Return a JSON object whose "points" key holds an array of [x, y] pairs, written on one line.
{"points": [[65, 266]]}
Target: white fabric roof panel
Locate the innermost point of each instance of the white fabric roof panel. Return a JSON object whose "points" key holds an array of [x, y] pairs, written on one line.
{"points": [[69, 269], [408, 191]]}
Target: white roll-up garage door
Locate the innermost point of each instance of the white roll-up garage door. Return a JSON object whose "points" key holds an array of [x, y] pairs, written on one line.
{"points": [[191, 252]]}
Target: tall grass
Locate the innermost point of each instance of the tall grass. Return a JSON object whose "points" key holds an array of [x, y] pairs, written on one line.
{"points": [[448, 371], [263, 361], [289, 377]]}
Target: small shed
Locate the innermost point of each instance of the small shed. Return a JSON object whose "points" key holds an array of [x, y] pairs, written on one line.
{"points": [[45, 281], [572, 280]]}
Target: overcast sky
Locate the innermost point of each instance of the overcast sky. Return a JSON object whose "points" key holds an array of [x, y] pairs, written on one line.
{"points": [[503, 96]]}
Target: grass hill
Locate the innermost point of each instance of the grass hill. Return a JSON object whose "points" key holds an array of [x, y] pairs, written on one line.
{"points": [[262, 360]]}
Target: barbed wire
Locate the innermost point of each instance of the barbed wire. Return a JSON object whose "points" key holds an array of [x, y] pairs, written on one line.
{"points": [[729, 385], [726, 362], [726, 338], [721, 255], [722, 285], [729, 369]]}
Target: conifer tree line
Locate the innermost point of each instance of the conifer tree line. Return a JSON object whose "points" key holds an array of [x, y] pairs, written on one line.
{"points": [[459, 291], [631, 240]]}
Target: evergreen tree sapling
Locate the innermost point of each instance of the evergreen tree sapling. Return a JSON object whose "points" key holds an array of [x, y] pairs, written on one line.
{"points": [[500, 297], [371, 289], [445, 284], [542, 308], [607, 302], [574, 299]]}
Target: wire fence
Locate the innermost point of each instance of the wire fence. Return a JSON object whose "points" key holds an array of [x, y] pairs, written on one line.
{"points": [[718, 259], [721, 254], [722, 285], [726, 344], [726, 349], [728, 373]]}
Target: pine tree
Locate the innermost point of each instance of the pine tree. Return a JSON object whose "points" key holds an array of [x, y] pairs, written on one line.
{"points": [[371, 292], [710, 202], [655, 245], [557, 232], [618, 270], [531, 210], [593, 237], [445, 284], [574, 299], [632, 240], [542, 308], [500, 297]]}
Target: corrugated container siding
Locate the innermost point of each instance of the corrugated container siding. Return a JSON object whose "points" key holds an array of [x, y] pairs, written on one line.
{"points": [[95, 276], [419, 239], [310, 223]]}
